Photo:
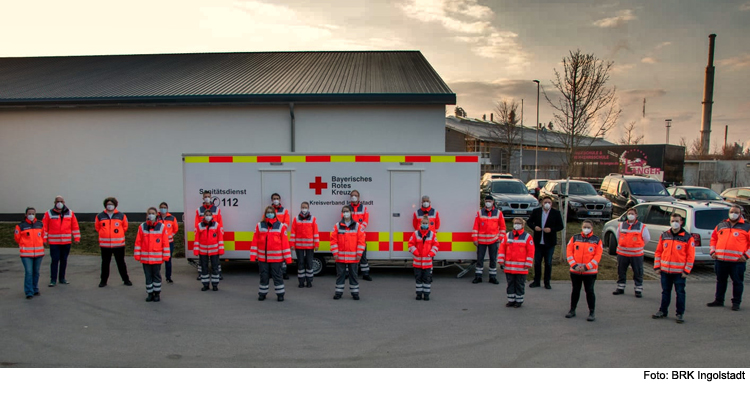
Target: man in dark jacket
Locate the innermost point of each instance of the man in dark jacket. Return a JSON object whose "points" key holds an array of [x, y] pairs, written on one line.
{"points": [[546, 223]]}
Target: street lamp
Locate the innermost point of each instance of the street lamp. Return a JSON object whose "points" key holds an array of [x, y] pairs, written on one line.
{"points": [[669, 124], [536, 151]]}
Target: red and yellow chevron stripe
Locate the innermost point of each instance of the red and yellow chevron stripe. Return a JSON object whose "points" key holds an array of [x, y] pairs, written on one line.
{"points": [[331, 158]]}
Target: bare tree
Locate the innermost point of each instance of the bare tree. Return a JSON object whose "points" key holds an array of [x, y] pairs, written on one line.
{"points": [[460, 112], [630, 136], [587, 108], [506, 130]]}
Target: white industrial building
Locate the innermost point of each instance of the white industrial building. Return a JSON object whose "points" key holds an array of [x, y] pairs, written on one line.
{"points": [[88, 127]]}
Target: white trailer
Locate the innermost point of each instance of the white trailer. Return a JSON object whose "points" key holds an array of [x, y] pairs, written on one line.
{"points": [[391, 186]]}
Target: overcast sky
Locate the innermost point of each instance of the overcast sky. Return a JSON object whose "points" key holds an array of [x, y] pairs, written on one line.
{"points": [[484, 50]]}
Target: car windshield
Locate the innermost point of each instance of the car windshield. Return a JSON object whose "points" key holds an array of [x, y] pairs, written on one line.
{"points": [[702, 194], [508, 187], [647, 188], [708, 219], [542, 183], [578, 189]]}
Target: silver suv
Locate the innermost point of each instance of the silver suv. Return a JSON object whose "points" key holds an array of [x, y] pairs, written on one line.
{"points": [[511, 196], [700, 220]]}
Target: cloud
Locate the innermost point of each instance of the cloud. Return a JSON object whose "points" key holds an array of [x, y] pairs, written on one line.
{"points": [[662, 45], [736, 63], [649, 60], [745, 7], [630, 97], [622, 18], [621, 68]]}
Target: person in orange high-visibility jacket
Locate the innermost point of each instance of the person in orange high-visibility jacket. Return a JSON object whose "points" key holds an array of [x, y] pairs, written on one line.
{"points": [[152, 249], [730, 247], [60, 227], [208, 246], [424, 245], [632, 236], [270, 248], [282, 215], [516, 253], [361, 216], [29, 235], [112, 225], [584, 253], [172, 227], [347, 246], [304, 241], [673, 259], [487, 233], [208, 204], [429, 211]]}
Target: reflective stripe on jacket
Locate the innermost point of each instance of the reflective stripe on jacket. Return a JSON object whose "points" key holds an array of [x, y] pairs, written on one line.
{"points": [[171, 222], [675, 253], [431, 213], [630, 239], [424, 246], [270, 243], [347, 242], [30, 238], [516, 252], [731, 242], [209, 240], [60, 228], [304, 233], [112, 230], [151, 243], [586, 250], [489, 226], [216, 215], [360, 215], [282, 215]]}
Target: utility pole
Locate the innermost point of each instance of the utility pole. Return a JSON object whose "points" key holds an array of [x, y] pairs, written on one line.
{"points": [[536, 151]]}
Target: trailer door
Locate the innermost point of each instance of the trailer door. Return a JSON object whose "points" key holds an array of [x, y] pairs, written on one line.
{"points": [[406, 196], [276, 181]]}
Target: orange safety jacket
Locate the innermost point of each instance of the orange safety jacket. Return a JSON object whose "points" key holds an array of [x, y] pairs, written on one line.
{"points": [[216, 214], [431, 213], [675, 253], [112, 230], [424, 245], [60, 228], [209, 240], [348, 242], [304, 232], [489, 226], [630, 241], [516, 252], [360, 214], [151, 243], [282, 214], [731, 242], [586, 250], [30, 238], [270, 243], [171, 222]]}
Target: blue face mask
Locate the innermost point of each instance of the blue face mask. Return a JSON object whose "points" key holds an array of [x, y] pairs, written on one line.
{"points": [[270, 215], [425, 226]]}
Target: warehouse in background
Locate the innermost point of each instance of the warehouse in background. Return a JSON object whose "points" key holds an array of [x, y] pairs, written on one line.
{"points": [[87, 127], [663, 162]]}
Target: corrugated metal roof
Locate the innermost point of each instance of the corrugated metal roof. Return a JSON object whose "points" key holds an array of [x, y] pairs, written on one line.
{"points": [[263, 77]]}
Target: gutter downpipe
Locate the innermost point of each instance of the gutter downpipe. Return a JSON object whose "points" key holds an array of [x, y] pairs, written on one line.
{"points": [[291, 114]]}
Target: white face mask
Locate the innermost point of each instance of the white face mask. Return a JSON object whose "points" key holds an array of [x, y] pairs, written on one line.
{"points": [[207, 200], [734, 216], [152, 217], [425, 204], [270, 215], [208, 219], [518, 227], [163, 210], [488, 204], [547, 206], [586, 230], [354, 198], [31, 217], [675, 225], [110, 207], [631, 217], [276, 202], [59, 205], [347, 215], [304, 210]]}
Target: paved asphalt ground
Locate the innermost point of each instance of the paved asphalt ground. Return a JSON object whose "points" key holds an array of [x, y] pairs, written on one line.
{"points": [[464, 325]]}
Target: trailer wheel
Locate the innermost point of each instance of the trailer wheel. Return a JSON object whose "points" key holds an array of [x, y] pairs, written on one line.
{"points": [[318, 264], [612, 244]]}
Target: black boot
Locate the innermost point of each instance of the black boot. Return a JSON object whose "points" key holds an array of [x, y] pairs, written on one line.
{"points": [[301, 283], [618, 291], [337, 296], [366, 276], [426, 297], [511, 304], [156, 296], [571, 314], [150, 297], [261, 297], [355, 296], [591, 317], [309, 282], [205, 287], [280, 297], [494, 280], [477, 279], [419, 296], [216, 287]]}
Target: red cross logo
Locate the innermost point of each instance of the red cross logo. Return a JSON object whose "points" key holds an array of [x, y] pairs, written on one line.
{"points": [[318, 185]]}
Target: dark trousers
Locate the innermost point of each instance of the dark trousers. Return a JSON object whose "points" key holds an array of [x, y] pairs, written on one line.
{"points": [[205, 260], [153, 277], [516, 287], [305, 265], [481, 250], [122, 268], [623, 263], [423, 278], [588, 284], [734, 270], [667, 281], [168, 263], [59, 255], [341, 274], [364, 265], [543, 252], [267, 271]]}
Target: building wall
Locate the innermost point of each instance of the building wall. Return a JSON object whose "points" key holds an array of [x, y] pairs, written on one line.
{"points": [[720, 174], [455, 142], [134, 153]]}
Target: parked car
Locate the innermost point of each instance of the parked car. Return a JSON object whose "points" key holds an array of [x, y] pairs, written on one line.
{"points": [[693, 193], [511, 196], [700, 220], [495, 176], [584, 202], [535, 185], [627, 191], [739, 196]]}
